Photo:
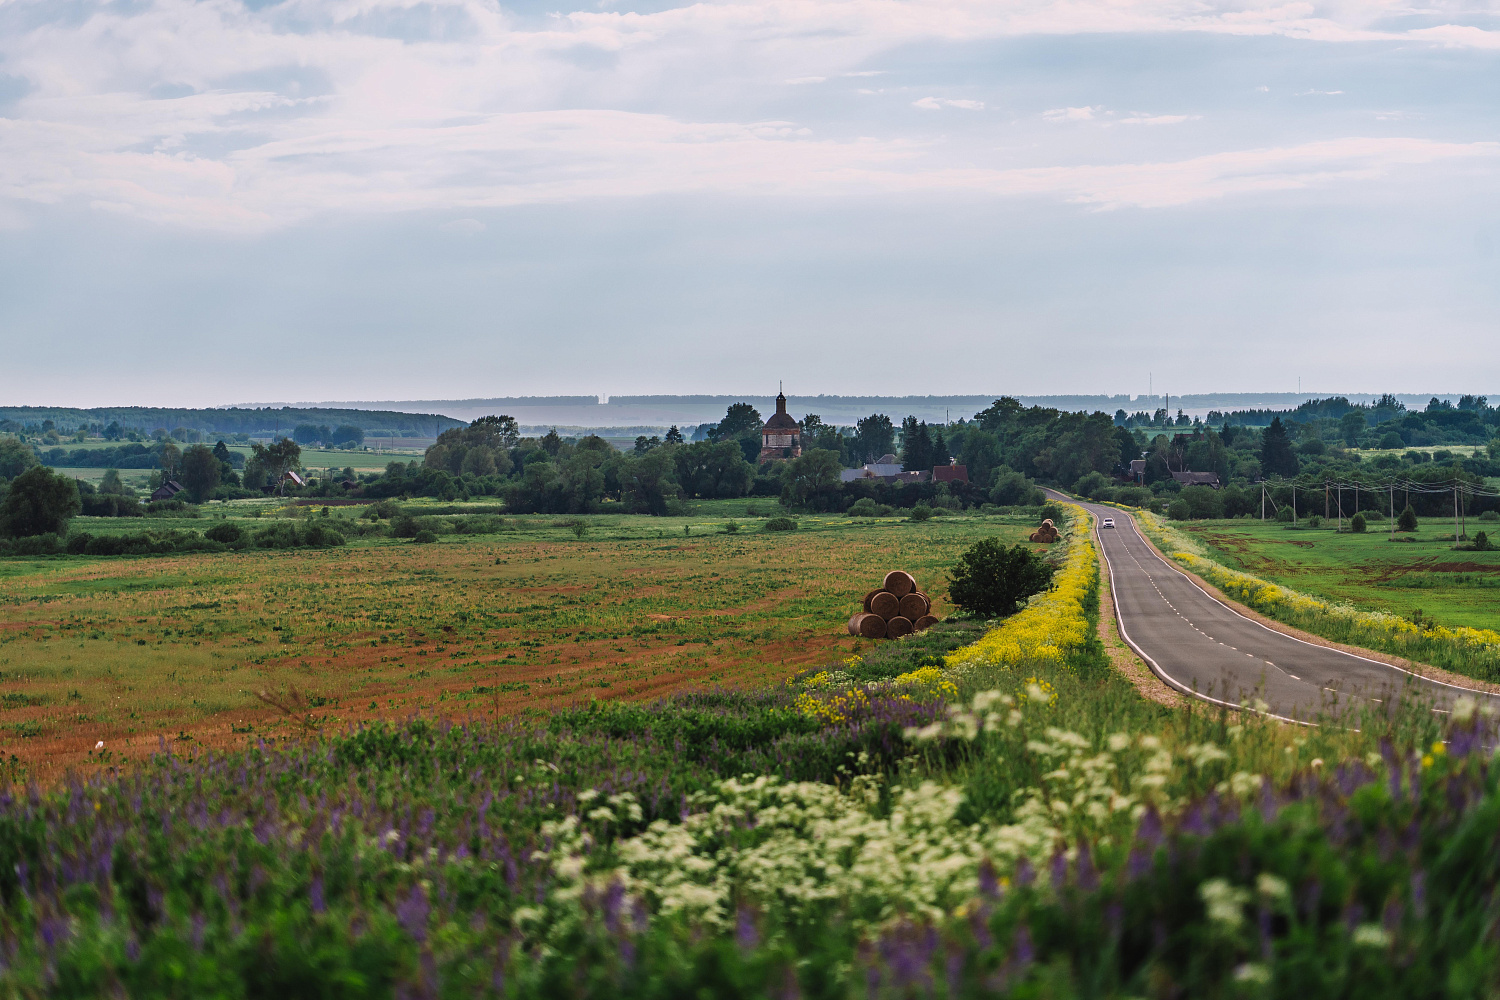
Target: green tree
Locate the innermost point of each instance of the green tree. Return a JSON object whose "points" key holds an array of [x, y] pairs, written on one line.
{"points": [[1407, 521], [38, 502], [1351, 426], [916, 446], [648, 484], [674, 436], [349, 434], [992, 580], [876, 436], [740, 420], [1357, 523], [171, 460], [16, 456], [811, 479], [112, 483], [201, 472], [1276, 455]]}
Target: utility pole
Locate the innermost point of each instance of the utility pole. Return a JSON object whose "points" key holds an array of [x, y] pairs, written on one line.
{"points": [[1455, 513], [1262, 503], [1294, 503], [1393, 512], [1326, 512], [1341, 506]]}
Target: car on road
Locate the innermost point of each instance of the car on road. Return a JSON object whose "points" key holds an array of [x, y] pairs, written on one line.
{"points": [[1109, 522]]}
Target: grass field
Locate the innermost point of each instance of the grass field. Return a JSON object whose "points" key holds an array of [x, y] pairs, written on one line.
{"points": [[1451, 587], [123, 649]]}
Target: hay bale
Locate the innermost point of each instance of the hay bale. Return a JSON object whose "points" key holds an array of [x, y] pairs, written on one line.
{"points": [[900, 582], [924, 623], [867, 626], [866, 602], [914, 605], [885, 604], [897, 627]]}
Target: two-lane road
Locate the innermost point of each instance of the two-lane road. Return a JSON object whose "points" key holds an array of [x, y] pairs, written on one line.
{"points": [[1201, 646]]}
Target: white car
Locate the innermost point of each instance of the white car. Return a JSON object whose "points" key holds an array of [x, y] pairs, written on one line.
{"points": [[1109, 522]]}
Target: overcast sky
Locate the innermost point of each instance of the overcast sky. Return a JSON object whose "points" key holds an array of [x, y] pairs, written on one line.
{"points": [[230, 200]]}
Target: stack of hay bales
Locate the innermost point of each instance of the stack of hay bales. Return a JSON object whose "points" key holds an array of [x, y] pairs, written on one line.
{"points": [[898, 608], [1046, 533]]}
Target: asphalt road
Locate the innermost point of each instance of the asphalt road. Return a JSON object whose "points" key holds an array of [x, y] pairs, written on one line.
{"points": [[1201, 646]]}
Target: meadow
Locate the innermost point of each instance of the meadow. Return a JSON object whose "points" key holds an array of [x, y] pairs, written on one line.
{"points": [[938, 816], [521, 615], [1419, 572]]}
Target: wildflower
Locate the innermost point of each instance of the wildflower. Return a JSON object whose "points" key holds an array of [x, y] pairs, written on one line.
{"points": [[1317, 762], [1272, 888], [1254, 973], [1463, 709], [1371, 936], [1224, 902], [1438, 748]]}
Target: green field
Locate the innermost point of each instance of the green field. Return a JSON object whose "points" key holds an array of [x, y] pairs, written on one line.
{"points": [[527, 612], [1368, 570]]}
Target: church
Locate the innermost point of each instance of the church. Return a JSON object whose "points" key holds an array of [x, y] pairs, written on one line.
{"points": [[780, 437]]}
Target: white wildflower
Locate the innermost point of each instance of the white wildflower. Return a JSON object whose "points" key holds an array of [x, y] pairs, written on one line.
{"points": [[1371, 936], [1272, 888], [1224, 902], [1254, 973]]}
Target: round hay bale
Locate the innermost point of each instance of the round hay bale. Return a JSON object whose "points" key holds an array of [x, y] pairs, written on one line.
{"points": [[885, 604], [924, 623], [865, 603], [900, 582], [914, 606], [867, 626], [897, 627]]}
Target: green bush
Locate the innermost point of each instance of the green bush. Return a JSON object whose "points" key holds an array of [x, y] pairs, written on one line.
{"points": [[39, 502], [424, 537], [404, 526], [1284, 514], [1408, 520], [1179, 510], [1490, 515], [991, 579], [1482, 542], [291, 535], [921, 512], [1391, 440], [1315, 520], [865, 507], [1357, 523], [781, 524], [225, 531]]}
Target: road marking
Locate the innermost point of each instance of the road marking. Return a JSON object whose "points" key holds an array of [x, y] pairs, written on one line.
{"points": [[1294, 677]]}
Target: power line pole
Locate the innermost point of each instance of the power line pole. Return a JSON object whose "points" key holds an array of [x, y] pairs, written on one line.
{"points": [[1393, 512]]}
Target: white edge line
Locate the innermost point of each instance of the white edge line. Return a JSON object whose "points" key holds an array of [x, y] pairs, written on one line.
{"points": [[1390, 666], [1114, 597]]}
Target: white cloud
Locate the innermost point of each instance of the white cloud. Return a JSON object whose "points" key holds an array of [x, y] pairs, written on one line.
{"points": [[469, 227], [313, 106], [939, 103], [1140, 119], [1318, 93], [1072, 114]]}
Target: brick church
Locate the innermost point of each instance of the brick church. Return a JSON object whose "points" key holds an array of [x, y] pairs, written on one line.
{"points": [[780, 437]]}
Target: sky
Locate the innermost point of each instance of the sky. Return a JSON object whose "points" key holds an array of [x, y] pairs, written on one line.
{"points": [[236, 200]]}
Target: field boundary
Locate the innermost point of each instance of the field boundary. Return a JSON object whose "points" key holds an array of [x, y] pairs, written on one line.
{"points": [[1424, 670]]}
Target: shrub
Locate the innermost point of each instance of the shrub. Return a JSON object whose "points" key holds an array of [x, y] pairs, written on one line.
{"points": [[1315, 520], [225, 531], [1357, 523], [731, 526], [404, 526], [1391, 440], [1408, 520], [1482, 542], [921, 512], [39, 502], [1178, 510], [289, 535], [424, 537], [991, 579], [1284, 514], [1490, 515], [781, 524]]}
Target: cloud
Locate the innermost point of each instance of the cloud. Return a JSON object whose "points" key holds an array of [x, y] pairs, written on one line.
{"points": [[1318, 93], [469, 227], [1140, 119], [939, 103], [1072, 114]]}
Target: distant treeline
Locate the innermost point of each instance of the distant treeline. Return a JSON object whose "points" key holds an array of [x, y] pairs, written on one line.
{"points": [[265, 421], [1384, 422]]}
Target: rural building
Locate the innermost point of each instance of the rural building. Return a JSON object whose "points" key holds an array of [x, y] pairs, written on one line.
{"points": [[291, 477], [781, 437], [953, 473], [1138, 470], [167, 490], [1197, 478]]}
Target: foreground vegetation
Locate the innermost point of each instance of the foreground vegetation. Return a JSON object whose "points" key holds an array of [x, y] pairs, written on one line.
{"points": [[932, 818]]}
